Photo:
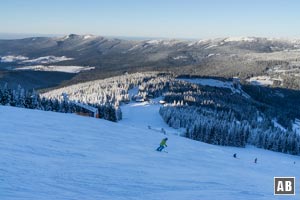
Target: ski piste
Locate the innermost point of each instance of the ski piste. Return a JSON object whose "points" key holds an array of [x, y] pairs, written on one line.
{"points": [[67, 156]]}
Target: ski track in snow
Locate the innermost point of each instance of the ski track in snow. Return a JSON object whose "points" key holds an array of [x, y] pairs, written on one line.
{"points": [[144, 114], [47, 155]]}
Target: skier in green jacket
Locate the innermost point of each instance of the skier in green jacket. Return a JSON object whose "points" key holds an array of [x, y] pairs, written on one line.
{"points": [[162, 144]]}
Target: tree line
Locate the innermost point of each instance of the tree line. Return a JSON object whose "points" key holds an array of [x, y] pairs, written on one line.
{"points": [[33, 100], [220, 116]]}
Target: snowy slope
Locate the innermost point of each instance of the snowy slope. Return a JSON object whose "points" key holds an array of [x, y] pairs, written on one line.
{"points": [[46, 155], [261, 80], [210, 82], [143, 115], [56, 68], [217, 83], [40, 60]]}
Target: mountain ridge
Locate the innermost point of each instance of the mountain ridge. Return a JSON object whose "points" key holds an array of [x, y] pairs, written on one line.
{"points": [[223, 57]]}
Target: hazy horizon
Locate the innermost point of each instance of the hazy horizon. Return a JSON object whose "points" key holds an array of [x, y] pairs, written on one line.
{"points": [[190, 19], [12, 36]]}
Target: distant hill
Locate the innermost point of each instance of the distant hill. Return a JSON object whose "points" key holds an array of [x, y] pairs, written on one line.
{"points": [[10, 36], [224, 57]]}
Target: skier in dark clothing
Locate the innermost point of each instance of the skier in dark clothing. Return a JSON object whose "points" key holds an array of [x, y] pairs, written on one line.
{"points": [[162, 144], [255, 160], [234, 155]]}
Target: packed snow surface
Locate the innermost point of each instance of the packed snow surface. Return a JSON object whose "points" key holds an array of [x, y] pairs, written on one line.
{"points": [[145, 115], [47, 155]]}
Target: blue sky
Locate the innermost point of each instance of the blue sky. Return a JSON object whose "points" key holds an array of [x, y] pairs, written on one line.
{"points": [[153, 18]]}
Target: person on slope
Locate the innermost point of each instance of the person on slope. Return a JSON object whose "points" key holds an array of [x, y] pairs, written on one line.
{"points": [[162, 144]]}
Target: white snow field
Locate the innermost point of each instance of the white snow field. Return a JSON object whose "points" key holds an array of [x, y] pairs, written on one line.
{"points": [[216, 83], [210, 82], [56, 68], [144, 114], [55, 156], [40, 60]]}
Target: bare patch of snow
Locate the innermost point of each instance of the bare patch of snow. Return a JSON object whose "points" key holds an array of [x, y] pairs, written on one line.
{"points": [[192, 44], [261, 80], [240, 39], [163, 42], [218, 83], [154, 41], [88, 36], [198, 42], [65, 37], [40, 60], [211, 46], [134, 47], [210, 82], [67, 69], [12, 58], [180, 57], [47, 59]]}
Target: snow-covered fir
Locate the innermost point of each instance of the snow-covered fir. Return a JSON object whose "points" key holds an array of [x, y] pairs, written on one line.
{"points": [[111, 90], [32, 100], [221, 113]]}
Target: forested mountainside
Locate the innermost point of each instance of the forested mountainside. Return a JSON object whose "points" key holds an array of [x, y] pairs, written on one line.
{"points": [[91, 57], [230, 115]]}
